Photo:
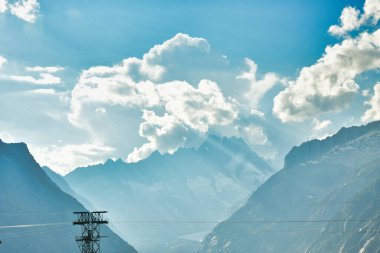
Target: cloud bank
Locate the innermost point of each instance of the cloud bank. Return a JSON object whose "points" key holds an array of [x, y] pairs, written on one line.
{"points": [[329, 85], [172, 92]]}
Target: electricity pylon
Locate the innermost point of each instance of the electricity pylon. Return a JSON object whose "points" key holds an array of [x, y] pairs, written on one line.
{"points": [[89, 241]]}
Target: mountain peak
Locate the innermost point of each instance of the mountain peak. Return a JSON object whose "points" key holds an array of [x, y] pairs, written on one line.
{"points": [[112, 162]]}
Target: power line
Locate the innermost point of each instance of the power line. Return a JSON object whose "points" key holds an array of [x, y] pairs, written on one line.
{"points": [[28, 230], [33, 232], [199, 221], [311, 231], [33, 225], [9, 213], [14, 213], [245, 222]]}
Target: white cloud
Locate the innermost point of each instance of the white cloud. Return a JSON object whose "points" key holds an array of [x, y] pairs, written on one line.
{"points": [[321, 125], [199, 108], [188, 111], [321, 129], [163, 62], [373, 113], [142, 152], [366, 93], [329, 85], [190, 114], [153, 96], [257, 88], [52, 69], [164, 133], [6, 137], [351, 19], [42, 75], [65, 158], [26, 10], [3, 61], [43, 79], [3, 6], [372, 10], [253, 135], [165, 58], [132, 82], [42, 92]]}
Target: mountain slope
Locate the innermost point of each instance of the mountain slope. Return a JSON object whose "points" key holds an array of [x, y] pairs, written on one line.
{"points": [[64, 186], [314, 149], [292, 208], [361, 233], [28, 196], [162, 200]]}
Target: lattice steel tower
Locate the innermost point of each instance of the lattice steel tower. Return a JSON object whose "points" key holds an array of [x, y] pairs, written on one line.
{"points": [[89, 241]]}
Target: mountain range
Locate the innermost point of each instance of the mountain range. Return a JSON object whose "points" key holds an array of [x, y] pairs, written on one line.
{"points": [[167, 203], [325, 199]]}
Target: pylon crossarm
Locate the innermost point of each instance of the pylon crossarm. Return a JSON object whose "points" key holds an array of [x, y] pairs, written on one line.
{"points": [[89, 241]]}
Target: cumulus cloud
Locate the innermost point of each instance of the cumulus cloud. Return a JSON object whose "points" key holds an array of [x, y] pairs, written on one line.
{"points": [[175, 59], [352, 19], [132, 82], [329, 85], [164, 90], [257, 88], [164, 133], [372, 10], [198, 108], [26, 10], [190, 113], [373, 113]]}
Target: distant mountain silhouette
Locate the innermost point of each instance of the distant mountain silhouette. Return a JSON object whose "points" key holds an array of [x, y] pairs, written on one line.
{"points": [[326, 199], [170, 195], [28, 196]]}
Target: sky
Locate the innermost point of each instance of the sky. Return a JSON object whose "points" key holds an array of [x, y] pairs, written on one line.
{"points": [[84, 81]]}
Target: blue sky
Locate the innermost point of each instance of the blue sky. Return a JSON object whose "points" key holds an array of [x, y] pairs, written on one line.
{"points": [[277, 34], [249, 54]]}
